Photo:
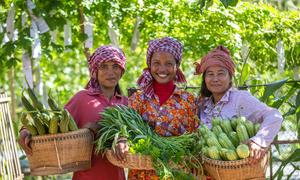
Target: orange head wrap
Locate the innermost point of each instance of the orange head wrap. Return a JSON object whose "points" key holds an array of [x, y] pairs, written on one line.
{"points": [[219, 56]]}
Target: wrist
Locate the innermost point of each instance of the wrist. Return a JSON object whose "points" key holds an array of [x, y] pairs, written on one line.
{"points": [[93, 131], [122, 140]]}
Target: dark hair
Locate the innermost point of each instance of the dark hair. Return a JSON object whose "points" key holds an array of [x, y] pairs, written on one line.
{"points": [[118, 89], [204, 92]]}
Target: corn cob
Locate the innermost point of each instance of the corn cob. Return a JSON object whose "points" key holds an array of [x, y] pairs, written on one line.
{"points": [[243, 151], [53, 125], [214, 153], [28, 126], [231, 155], [250, 128], [234, 138], [45, 118], [64, 123], [39, 126], [205, 151], [27, 104], [233, 123], [241, 120], [212, 141], [216, 121], [52, 104], [225, 141], [36, 103], [222, 153], [226, 126], [217, 129], [242, 132], [203, 129], [72, 124]]}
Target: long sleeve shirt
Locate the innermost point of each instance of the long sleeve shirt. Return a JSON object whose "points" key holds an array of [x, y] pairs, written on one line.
{"points": [[85, 107], [237, 103]]}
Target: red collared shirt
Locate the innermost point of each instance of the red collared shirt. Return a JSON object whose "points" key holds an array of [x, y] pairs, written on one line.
{"points": [[85, 106]]}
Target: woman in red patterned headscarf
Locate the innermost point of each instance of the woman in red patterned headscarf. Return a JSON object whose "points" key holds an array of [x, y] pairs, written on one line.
{"points": [[170, 111], [219, 99]]}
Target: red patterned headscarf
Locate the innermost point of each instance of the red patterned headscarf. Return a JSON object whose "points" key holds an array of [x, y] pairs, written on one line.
{"points": [[167, 44], [103, 54], [219, 56]]}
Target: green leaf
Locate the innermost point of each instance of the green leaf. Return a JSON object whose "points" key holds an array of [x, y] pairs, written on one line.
{"points": [[298, 105], [225, 3], [271, 88], [276, 104], [232, 2], [295, 157], [245, 74]]}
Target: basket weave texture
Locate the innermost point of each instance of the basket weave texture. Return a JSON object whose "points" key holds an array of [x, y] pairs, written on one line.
{"points": [[134, 161], [61, 153], [143, 162], [239, 170]]}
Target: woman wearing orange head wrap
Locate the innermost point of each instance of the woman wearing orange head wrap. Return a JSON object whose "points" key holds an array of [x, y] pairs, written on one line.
{"points": [[219, 99]]}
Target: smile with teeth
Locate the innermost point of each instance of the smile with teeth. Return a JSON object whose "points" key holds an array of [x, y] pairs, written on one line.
{"points": [[162, 75]]}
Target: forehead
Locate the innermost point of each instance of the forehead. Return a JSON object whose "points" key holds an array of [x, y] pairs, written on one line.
{"points": [[162, 56], [110, 62], [216, 69]]}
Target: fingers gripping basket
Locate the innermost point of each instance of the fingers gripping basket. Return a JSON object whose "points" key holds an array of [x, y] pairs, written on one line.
{"points": [[61, 153], [240, 169]]}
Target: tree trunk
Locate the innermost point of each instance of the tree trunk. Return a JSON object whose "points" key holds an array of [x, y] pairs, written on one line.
{"points": [[12, 94]]}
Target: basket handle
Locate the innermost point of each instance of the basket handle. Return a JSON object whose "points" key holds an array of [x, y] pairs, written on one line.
{"points": [[57, 155]]}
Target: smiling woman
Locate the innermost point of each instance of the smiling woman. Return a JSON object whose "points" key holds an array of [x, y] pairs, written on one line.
{"points": [[169, 110], [219, 99]]}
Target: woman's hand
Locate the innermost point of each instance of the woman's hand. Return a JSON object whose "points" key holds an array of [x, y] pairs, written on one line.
{"points": [[121, 149], [24, 141], [256, 152], [93, 127]]}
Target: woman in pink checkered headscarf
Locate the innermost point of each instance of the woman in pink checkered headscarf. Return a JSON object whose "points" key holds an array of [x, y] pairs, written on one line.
{"points": [[106, 66], [170, 111]]}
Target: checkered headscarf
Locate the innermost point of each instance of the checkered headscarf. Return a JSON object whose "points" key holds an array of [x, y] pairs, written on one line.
{"points": [[103, 54], [167, 44], [220, 56]]}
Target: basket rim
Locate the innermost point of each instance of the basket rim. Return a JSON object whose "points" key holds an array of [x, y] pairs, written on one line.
{"points": [[143, 158], [241, 162], [60, 135]]}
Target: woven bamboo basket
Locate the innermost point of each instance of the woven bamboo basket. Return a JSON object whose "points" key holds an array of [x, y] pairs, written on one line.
{"points": [[143, 162], [239, 170], [61, 153], [133, 161]]}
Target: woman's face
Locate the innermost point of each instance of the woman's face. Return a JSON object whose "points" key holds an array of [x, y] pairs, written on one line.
{"points": [[217, 80], [109, 74], [163, 67]]}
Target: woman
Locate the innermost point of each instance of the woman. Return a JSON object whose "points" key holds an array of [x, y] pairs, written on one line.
{"points": [[168, 110], [219, 99], [106, 66]]}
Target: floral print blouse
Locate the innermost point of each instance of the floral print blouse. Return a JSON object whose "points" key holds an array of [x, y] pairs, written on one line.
{"points": [[175, 117]]}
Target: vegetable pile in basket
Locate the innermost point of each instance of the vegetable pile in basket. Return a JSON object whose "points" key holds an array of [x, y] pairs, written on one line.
{"points": [[40, 121], [225, 140], [121, 121]]}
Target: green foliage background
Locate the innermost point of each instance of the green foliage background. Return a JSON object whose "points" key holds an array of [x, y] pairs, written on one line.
{"points": [[65, 68], [200, 25]]}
